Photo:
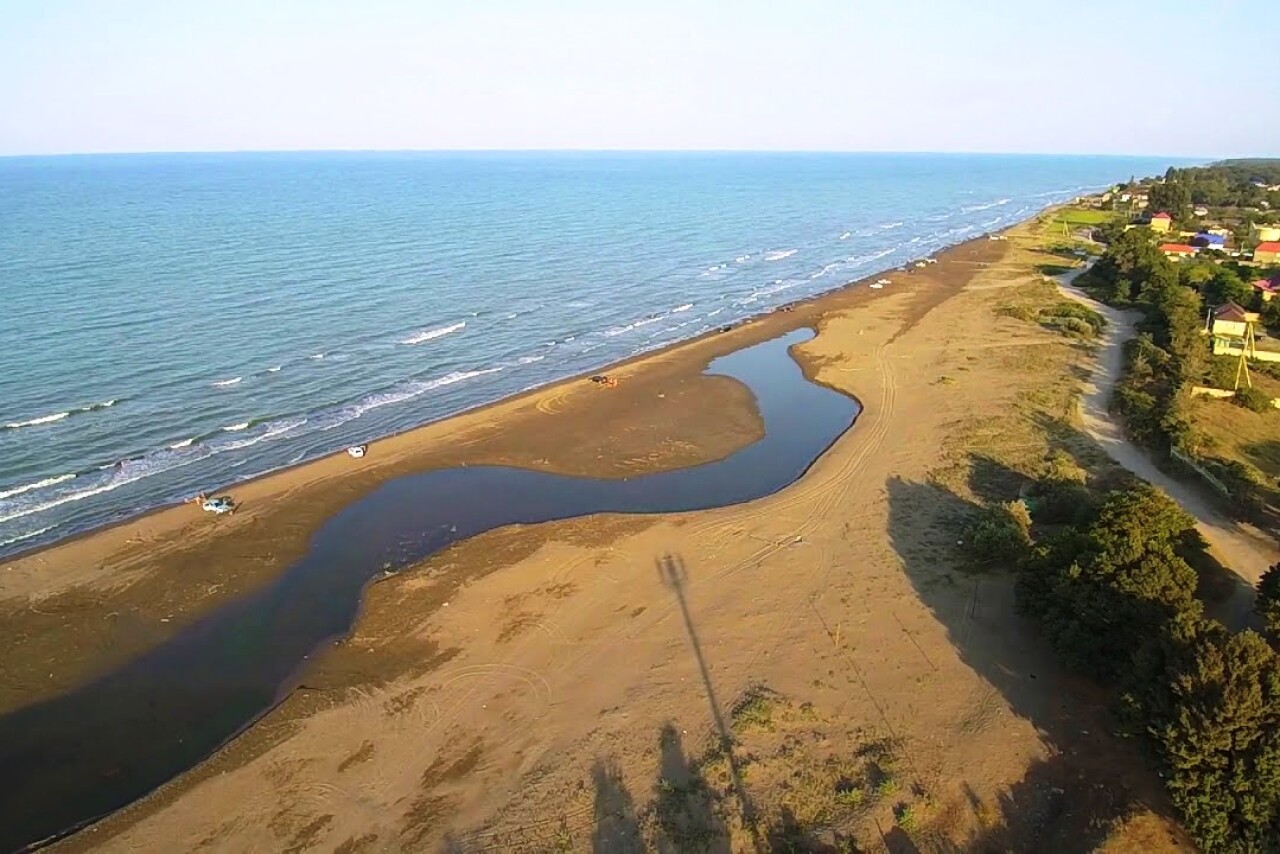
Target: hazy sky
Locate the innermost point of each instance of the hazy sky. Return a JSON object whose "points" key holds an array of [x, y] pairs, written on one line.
{"points": [[1096, 76]]}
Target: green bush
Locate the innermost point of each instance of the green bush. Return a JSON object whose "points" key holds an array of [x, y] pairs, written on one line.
{"points": [[1268, 601], [1253, 400], [1000, 534], [1100, 590], [1115, 600]]}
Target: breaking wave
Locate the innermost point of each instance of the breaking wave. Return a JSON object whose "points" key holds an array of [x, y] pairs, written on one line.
{"points": [[432, 334], [31, 487]]}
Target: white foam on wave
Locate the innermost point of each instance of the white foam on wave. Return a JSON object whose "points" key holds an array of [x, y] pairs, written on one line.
{"points": [[319, 356], [988, 206], [235, 428], [776, 286], [714, 313], [846, 235], [742, 259], [116, 476], [225, 383], [779, 254], [408, 391], [681, 308], [275, 428], [859, 260], [31, 487], [432, 334], [274, 370], [890, 225], [26, 536], [35, 422], [529, 360], [716, 267], [185, 443]]}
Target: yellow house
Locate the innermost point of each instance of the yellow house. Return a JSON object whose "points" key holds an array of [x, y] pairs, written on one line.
{"points": [[1264, 233], [1161, 222], [1267, 253], [1231, 321]]}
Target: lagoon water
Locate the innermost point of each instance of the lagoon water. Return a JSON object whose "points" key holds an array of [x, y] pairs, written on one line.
{"points": [[179, 322]]}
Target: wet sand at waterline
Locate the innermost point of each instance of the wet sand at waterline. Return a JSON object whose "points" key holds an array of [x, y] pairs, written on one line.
{"points": [[482, 691]]}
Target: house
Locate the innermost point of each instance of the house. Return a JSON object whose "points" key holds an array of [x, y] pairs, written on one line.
{"points": [[1232, 321], [1201, 210], [1161, 222], [1208, 240], [1178, 250], [1268, 288], [1267, 253], [1264, 233]]}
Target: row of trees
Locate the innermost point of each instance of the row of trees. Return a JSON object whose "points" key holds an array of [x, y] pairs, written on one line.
{"points": [[1107, 582], [1226, 184], [1170, 354]]}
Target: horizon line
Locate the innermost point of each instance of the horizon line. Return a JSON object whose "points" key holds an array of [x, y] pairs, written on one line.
{"points": [[816, 151]]}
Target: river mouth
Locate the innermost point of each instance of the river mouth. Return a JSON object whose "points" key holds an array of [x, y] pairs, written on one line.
{"points": [[87, 753]]}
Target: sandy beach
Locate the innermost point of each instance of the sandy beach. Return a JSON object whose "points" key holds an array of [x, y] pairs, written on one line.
{"points": [[550, 687]]}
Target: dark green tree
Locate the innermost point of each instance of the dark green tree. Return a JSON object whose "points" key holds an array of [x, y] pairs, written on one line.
{"points": [[1100, 593], [1172, 197], [1210, 701], [1268, 602]]}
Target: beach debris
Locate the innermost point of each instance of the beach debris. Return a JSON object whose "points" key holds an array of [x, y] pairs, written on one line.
{"points": [[605, 380], [883, 282], [357, 451], [931, 260], [920, 264], [877, 286], [219, 505]]}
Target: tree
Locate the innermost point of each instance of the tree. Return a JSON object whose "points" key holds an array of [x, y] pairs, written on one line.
{"points": [[1226, 285], [1268, 603], [1210, 700], [1101, 592], [1172, 197]]}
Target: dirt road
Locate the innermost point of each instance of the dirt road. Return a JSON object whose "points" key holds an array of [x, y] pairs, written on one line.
{"points": [[1248, 553]]}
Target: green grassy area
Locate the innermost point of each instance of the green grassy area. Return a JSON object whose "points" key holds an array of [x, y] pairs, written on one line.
{"points": [[1234, 433], [1081, 217]]}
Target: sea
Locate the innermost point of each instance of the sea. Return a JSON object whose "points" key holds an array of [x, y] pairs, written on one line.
{"points": [[180, 322]]}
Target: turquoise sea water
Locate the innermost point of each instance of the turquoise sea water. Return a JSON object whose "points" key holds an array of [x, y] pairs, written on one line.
{"points": [[174, 323]]}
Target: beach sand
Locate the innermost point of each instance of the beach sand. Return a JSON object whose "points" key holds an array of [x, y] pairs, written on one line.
{"points": [[570, 686]]}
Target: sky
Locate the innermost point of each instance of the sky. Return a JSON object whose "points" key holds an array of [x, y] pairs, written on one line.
{"points": [[1171, 78]]}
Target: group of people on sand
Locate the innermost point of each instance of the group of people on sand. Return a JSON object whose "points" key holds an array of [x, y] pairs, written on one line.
{"points": [[605, 380]]}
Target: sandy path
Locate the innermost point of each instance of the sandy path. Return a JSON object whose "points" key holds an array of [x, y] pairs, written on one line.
{"points": [[1247, 553]]}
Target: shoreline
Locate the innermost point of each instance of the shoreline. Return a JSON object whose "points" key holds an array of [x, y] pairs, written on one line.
{"points": [[445, 677], [474, 700], [803, 303], [95, 653], [132, 517], [85, 605]]}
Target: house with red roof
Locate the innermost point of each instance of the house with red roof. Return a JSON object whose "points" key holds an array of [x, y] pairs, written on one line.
{"points": [[1268, 288], [1178, 250], [1267, 252], [1161, 222]]}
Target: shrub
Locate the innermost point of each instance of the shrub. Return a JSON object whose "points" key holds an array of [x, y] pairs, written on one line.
{"points": [[1099, 591], [1268, 602], [1253, 400], [1063, 501], [1000, 534]]}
